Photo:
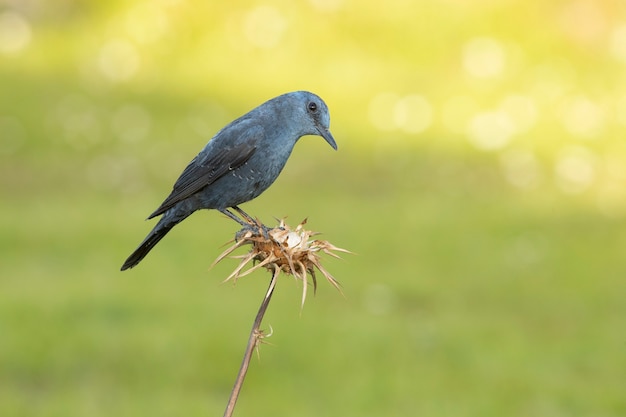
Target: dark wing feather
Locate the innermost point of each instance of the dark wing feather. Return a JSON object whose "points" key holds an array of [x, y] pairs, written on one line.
{"points": [[203, 171]]}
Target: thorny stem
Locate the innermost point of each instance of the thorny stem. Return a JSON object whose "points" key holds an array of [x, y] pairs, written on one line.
{"points": [[253, 341]]}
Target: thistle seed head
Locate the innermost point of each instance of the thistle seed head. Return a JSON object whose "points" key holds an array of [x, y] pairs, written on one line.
{"points": [[282, 249]]}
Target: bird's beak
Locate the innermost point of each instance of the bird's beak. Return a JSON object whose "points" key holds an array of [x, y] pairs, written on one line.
{"points": [[325, 133]]}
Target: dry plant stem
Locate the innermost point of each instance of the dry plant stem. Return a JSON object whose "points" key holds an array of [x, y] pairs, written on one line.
{"points": [[253, 341], [281, 249]]}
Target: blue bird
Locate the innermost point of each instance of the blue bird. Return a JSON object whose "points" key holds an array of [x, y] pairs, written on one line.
{"points": [[240, 162]]}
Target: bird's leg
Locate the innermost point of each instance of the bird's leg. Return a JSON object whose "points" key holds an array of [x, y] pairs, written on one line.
{"points": [[248, 223], [243, 214], [232, 216], [261, 227]]}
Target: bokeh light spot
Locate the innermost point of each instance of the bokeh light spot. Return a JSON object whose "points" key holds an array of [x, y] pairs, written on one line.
{"points": [[526, 250], [484, 57], [582, 117], [491, 130], [618, 43], [118, 60], [575, 169], [521, 168], [15, 32], [264, 26], [146, 22], [413, 114], [79, 121]]}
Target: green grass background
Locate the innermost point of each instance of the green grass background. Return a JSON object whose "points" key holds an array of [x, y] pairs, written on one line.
{"points": [[488, 277]]}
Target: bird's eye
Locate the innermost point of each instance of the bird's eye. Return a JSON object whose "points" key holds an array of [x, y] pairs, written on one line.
{"points": [[312, 106]]}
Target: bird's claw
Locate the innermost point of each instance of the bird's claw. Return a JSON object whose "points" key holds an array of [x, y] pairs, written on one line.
{"points": [[256, 229]]}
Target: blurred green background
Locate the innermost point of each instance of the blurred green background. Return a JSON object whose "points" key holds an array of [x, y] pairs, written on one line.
{"points": [[480, 181]]}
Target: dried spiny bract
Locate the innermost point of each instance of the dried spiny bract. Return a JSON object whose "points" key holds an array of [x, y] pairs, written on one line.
{"points": [[282, 249]]}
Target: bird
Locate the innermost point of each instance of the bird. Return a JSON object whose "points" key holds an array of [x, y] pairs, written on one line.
{"points": [[239, 163]]}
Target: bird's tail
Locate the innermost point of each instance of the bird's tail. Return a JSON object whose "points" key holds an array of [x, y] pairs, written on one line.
{"points": [[160, 230]]}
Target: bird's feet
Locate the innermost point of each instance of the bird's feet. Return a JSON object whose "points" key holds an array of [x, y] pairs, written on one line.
{"points": [[249, 224], [257, 229]]}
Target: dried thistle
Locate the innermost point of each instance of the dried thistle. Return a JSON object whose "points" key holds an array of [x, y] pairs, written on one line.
{"points": [[293, 252], [282, 249]]}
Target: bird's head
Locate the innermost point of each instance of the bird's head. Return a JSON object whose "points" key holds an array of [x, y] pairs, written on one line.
{"points": [[316, 117]]}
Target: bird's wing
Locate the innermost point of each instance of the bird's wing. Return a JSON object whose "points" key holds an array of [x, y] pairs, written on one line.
{"points": [[205, 170]]}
